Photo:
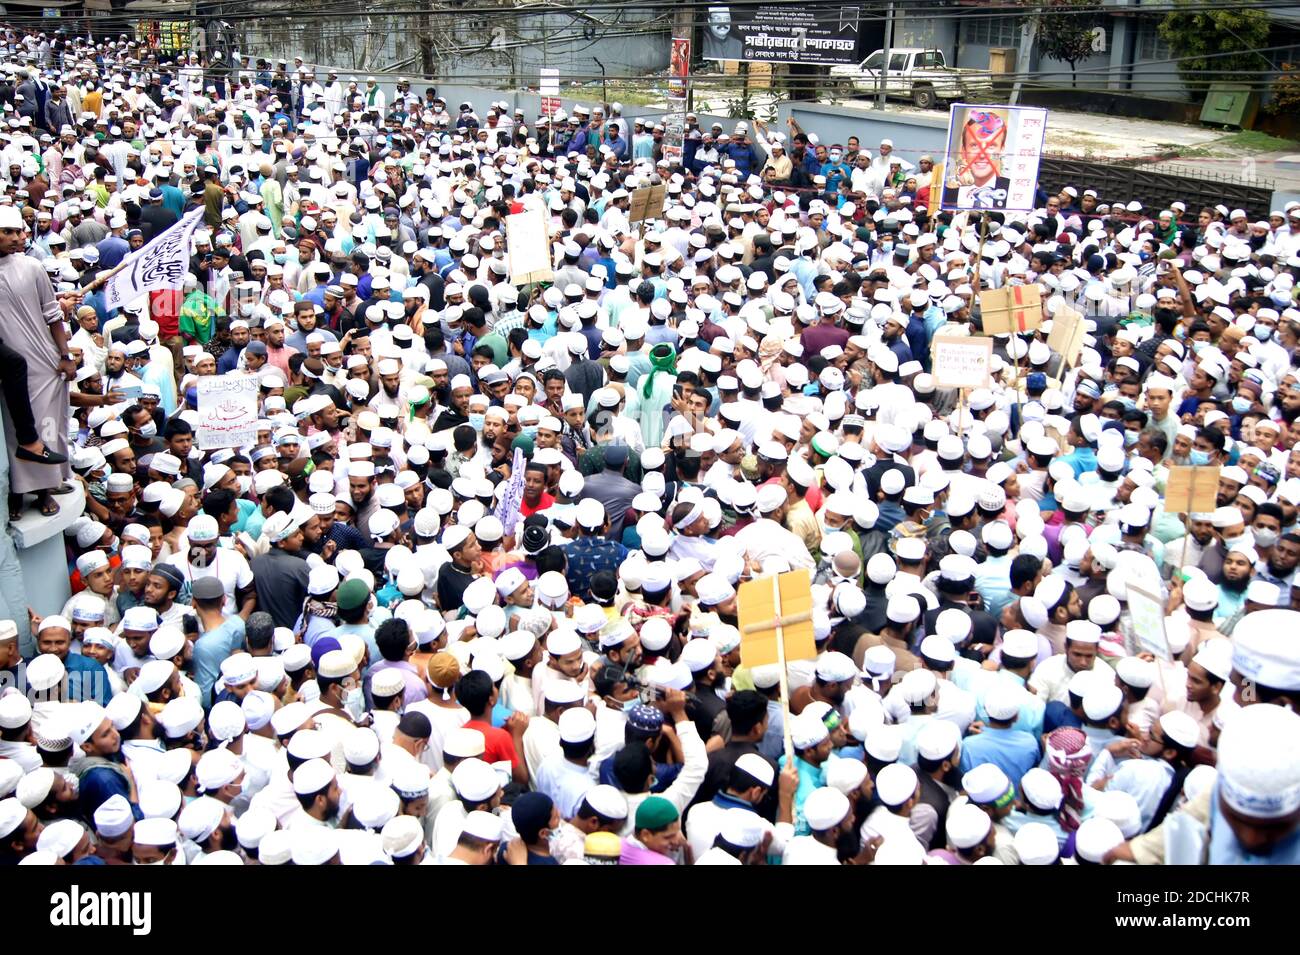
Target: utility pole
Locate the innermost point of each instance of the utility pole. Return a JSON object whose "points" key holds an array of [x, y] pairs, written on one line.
{"points": [[883, 81], [684, 27], [1027, 36]]}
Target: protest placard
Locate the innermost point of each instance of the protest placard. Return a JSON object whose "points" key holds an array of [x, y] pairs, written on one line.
{"points": [[227, 407], [528, 247], [962, 362]]}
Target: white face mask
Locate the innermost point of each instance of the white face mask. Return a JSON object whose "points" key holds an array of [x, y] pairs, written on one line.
{"points": [[1265, 537], [245, 483], [354, 702]]}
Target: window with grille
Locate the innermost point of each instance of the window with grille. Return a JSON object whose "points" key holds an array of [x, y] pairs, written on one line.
{"points": [[991, 31]]}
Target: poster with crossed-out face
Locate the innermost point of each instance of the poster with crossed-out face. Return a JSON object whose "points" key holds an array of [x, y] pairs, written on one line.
{"points": [[992, 158]]}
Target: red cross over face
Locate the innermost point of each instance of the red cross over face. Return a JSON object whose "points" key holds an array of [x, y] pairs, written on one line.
{"points": [[982, 156]]}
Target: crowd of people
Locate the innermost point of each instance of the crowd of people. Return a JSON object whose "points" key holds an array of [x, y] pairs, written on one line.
{"points": [[471, 595]]}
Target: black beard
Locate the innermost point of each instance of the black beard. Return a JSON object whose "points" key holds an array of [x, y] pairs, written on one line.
{"points": [[1272, 569], [1236, 586], [847, 844]]}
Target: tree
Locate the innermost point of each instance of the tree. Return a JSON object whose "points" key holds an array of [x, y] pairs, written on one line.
{"points": [[1215, 45], [1066, 32]]}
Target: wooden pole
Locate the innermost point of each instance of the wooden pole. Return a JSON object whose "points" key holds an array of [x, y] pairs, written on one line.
{"points": [[780, 662]]}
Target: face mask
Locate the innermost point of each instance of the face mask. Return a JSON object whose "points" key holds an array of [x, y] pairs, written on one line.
{"points": [[530, 430], [1265, 537], [476, 420], [280, 258], [1130, 439], [630, 705], [1241, 405], [1262, 332], [354, 702], [1198, 347], [1231, 542], [245, 483], [148, 430], [1199, 458]]}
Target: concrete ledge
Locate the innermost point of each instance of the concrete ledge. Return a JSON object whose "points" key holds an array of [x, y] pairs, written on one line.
{"points": [[35, 528]]}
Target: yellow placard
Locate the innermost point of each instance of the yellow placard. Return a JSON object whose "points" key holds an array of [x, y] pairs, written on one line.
{"points": [[1011, 310], [1066, 337], [647, 203], [758, 613], [1192, 489]]}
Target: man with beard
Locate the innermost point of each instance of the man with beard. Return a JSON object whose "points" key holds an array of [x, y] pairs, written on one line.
{"points": [[457, 411], [361, 490], [97, 760], [1200, 535], [1238, 569], [833, 677], [717, 595], [1280, 567], [317, 787], [832, 833], [704, 703]]}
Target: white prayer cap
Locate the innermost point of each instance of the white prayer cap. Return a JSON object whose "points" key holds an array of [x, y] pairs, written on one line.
{"points": [[1036, 844], [937, 739], [985, 783], [1041, 789], [825, 808], [896, 784], [1095, 837], [1259, 768], [967, 825], [113, 818], [1264, 651]]}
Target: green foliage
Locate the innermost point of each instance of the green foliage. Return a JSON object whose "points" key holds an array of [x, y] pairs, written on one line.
{"points": [[1068, 36], [1213, 45]]}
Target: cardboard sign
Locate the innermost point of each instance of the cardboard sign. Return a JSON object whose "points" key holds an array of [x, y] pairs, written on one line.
{"points": [[647, 203], [227, 411], [962, 362], [1192, 489], [528, 248], [1011, 310], [1066, 337], [1147, 612], [759, 613]]}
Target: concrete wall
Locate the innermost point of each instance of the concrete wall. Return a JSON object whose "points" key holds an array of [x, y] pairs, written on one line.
{"points": [[913, 134]]}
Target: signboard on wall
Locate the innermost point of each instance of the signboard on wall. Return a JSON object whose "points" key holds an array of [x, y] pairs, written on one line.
{"points": [[821, 33]]}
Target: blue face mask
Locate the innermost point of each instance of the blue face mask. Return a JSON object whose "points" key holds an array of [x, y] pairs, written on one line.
{"points": [[630, 705], [280, 258], [529, 430], [1199, 458], [1241, 405], [476, 420], [1130, 439]]}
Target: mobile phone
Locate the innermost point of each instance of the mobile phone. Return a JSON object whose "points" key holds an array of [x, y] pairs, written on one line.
{"points": [[132, 391]]}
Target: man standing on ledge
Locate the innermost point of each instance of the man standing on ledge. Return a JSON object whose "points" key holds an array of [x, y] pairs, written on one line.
{"points": [[32, 328]]}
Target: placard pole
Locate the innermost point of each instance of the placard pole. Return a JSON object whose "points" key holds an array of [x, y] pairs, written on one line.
{"points": [[780, 662]]}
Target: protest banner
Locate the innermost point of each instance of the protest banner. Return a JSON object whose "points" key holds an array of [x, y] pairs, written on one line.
{"points": [[162, 264]]}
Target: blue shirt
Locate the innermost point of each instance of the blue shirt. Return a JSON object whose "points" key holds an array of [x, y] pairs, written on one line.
{"points": [[810, 777], [112, 251], [1081, 460], [587, 557], [1013, 751], [213, 647], [87, 679]]}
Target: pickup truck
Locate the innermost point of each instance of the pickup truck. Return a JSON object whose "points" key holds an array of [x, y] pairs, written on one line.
{"points": [[914, 74]]}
